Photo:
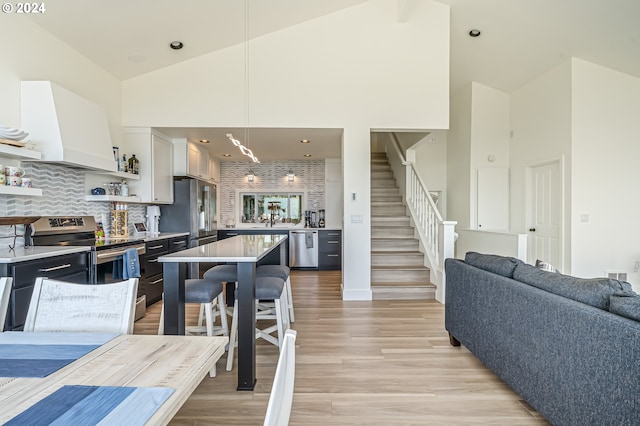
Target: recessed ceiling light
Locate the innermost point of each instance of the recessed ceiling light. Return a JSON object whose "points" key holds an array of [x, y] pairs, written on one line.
{"points": [[226, 155], [305, 141], [204, 140], [474, 33], [307, 155], [176, 45]]}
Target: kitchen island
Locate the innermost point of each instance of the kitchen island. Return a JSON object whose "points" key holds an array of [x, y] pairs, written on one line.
{"points": [[245, 251]]}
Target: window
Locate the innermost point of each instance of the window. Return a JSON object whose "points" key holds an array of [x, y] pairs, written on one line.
{"points": [[258, 207]]}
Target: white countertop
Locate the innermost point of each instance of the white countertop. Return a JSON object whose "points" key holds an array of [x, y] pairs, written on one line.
{"points": [[242, 248], [22, 254]]}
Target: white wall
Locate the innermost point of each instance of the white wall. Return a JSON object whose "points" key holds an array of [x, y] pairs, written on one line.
{"points": [[489, 136], [459, 159], [431, 164], [541, 125], [480, 128], [357, 69], [30, 53], [606, 172]]}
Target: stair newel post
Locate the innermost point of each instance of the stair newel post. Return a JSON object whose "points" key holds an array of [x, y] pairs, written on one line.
{"points": [[446, 250]]}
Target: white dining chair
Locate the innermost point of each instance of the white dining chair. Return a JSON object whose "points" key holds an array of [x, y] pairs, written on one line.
{"points": [[281, 397], [63, 306], [5, 291]]}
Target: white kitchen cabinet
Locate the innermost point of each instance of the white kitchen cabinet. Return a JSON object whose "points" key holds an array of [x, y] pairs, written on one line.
{"points": [[190, 160], [155, 153], [214, 170], [198, 162], [162, 181]]}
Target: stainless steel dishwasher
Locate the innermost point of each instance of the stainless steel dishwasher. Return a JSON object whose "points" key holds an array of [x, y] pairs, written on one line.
{"points": [[303, 249]]}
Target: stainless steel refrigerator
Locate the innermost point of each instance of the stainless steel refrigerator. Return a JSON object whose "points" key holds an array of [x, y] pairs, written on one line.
{"points": [[194, 210]]}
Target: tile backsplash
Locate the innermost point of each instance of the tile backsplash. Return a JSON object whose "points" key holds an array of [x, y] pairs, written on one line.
{"points": [[63, 190], [63, 193], [269, 175]]}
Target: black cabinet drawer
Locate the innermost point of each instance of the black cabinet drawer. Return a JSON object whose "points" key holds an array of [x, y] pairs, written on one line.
{"points": [[330, 246], [329, 261], [73, 268], [330, 242], [156, 247], [58, 267], [151, 266], [178, 244], [149, 262], [153, 288]]}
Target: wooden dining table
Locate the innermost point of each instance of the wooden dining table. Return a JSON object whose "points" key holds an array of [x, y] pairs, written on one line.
{"points": [[243, 250], [173, 364]]}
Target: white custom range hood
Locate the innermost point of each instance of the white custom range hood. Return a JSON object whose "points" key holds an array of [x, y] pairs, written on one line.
{"points": [[65, 127]]}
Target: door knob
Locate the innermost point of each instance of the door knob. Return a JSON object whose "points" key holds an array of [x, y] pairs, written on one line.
{"points": [[532, 229]]}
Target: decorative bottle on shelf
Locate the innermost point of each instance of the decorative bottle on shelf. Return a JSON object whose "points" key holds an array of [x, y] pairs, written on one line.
{"points": [[124, 188], [134, 165], [123, 164]]}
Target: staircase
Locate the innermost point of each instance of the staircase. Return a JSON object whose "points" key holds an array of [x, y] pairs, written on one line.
{"points": [[397, 264]]}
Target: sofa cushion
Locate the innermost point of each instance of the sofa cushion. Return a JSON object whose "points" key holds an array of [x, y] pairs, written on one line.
{"points": [[500, 265], [591, 291], [626, 305]]}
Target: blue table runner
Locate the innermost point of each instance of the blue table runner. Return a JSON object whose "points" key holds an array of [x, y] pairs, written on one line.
{"points": [[94, 405], [40, 354]]}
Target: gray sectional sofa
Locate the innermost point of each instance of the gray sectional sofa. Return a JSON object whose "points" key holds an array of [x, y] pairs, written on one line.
{"points": [[551, 337]]}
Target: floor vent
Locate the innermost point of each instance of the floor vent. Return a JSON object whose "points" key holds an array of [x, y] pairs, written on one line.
{"points": [[617, 275]]}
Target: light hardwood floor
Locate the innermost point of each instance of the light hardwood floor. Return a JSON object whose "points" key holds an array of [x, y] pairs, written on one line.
{"points": [[360, 363]]}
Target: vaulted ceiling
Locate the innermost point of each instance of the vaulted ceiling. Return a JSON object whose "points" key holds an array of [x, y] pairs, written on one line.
{"points": [[520, 39]]}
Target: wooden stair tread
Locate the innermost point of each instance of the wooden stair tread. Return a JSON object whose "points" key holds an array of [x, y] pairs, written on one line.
{"points": [[401, 237], [407, 284], [400, 267], [399, 253]]}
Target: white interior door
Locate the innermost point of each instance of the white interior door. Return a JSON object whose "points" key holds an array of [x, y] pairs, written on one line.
{"points": [[545, 214]]}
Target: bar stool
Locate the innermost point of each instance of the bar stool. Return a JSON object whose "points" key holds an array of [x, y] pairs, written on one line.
{"points": [[226, 274], [267, 288], [280, 271], [209, 295]]}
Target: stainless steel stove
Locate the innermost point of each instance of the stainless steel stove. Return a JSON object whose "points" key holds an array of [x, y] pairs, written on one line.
{"points": [[80, 231]]}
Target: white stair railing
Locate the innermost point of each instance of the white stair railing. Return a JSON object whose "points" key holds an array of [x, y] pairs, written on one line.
{"points": [[436, 235]]}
